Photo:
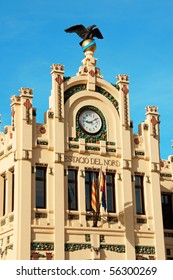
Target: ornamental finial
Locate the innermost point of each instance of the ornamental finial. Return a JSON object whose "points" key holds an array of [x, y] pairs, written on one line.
{"points": [[87, 34]]}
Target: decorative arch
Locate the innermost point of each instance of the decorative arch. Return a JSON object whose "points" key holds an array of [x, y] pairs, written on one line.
{"points": [[88, 98], [72, 90], [80, 87]]}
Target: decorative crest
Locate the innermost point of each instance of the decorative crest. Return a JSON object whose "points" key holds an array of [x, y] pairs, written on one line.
{"points": [[87, 34]]}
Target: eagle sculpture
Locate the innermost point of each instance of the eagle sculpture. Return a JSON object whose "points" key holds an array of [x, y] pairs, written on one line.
{"points": [[85, 33]]}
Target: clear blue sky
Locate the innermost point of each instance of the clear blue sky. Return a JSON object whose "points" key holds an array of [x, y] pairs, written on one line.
{"points": [[138, 41]]}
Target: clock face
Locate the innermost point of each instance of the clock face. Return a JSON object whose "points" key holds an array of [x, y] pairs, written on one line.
{"points": [[90, 121]]}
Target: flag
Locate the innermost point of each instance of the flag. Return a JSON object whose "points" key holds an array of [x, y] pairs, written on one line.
{"points": [[94, 195], [103, 191]]}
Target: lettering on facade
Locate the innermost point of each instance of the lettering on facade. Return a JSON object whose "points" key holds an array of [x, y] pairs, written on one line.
{"points": [[93, 161]]}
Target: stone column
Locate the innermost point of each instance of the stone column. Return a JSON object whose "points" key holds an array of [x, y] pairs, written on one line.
{"points": [[57, 110], [152, 119], [22, 127], [126, 165]]}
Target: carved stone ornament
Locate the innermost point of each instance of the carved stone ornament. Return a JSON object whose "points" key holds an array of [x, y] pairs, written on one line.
{"points": [[122, 78], [42, 130], [27, 104], [92, 73], [125, 89], [59, 80], [154, 121], [136, 141]]}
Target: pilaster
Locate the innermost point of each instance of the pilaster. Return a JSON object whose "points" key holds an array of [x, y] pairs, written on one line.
{"points": [[152, 120], [59, 209], [22, 127], [34, 132], [126, 162], [123, 83], [22, 210], [15, 122], [81, 194], [50, 127], [21, 114], [57, 94], [57, 109]]}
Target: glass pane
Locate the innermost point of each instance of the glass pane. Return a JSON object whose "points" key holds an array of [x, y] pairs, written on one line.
{"points": [[4, 199], [139, 202], [40, 194], [166, 199], [87, 176], [71, 196], [88, 197], [110, 192], [110, 199], [39, 173], [72, 189], [138, 181], [167, 211], [109, 178], [13, 179], [71, 175]]}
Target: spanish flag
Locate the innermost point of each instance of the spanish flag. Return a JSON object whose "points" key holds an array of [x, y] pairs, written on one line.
{"points": [[94, 194], [103, 191]]}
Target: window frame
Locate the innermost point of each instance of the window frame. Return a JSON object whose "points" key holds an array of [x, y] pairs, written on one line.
{"points": [[4, 194], [88, 184], [112, 185], [166, 200], [141, 194], [44, 191], [75, 182], [12, 190]]}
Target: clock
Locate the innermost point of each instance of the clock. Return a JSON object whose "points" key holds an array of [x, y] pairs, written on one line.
{"points": [[90, 121]]}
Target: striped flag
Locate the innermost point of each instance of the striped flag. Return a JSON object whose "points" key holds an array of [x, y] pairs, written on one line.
{"points": [[94, 195], [103, 191]]}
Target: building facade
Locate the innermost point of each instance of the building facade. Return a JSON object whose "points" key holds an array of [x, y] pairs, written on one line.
{"points": [[47, 173]]}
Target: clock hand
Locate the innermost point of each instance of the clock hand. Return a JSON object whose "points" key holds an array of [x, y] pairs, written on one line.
{"points": [[95, 119]]}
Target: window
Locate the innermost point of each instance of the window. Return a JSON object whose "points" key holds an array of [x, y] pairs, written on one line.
{"points": [[139, 195], [88, 187], [167, 210], [72, 190], [12, 202], [40, 187], [110, 187], [4, 196], [110, 190]]}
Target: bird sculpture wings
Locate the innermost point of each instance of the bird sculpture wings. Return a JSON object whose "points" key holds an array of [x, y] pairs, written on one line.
{"points": [[85, 33]]}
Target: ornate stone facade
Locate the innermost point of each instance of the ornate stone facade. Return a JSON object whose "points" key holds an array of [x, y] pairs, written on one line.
{"points": [[41, 202]]}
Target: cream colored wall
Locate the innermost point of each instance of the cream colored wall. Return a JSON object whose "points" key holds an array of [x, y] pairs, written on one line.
{"points": [[53, 225]]}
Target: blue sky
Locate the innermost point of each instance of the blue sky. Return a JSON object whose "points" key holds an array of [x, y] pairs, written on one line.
{"points": [[138, 41]]}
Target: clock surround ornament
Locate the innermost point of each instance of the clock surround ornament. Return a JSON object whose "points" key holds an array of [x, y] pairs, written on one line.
{"points": [[99, 134], [90, 121]]}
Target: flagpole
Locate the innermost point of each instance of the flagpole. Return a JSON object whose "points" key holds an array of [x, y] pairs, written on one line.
{"points": [[100, 194], [94, 201], [103, 200]]}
